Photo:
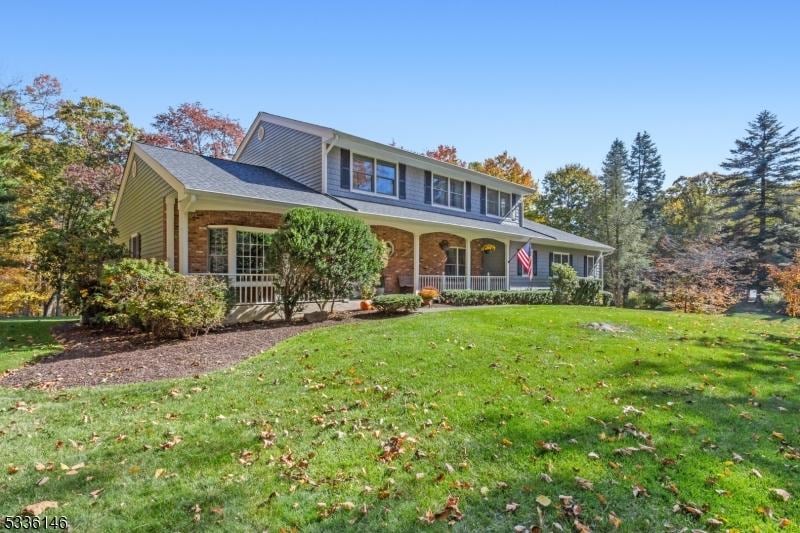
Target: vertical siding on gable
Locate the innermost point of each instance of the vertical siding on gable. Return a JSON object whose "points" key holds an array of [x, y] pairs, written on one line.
{"points": [[295, 154], [142, 210]]}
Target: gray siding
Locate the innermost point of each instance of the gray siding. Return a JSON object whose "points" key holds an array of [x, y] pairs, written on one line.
{"points": [[541, 279], [415, 191], [142, 210], [295, 154]]}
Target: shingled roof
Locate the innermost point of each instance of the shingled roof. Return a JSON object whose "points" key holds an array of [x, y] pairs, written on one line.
{"points": [[204, 174]]}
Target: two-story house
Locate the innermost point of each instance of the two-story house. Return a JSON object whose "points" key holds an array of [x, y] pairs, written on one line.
{"points": [[446, 226]]}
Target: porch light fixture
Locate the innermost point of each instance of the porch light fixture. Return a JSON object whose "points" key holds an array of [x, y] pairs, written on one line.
{"points": [[444, 245]]}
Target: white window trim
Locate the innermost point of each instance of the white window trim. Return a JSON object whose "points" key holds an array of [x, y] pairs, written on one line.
{"points": [[499, 192], [130, 249], [232, 239], [594, 266], [448, 206], [457, 263], [561, 254], [375, 160]]}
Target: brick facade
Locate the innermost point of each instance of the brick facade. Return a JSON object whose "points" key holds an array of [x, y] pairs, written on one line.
{"points": [[198, 230], [432, 257], [401, 262]]}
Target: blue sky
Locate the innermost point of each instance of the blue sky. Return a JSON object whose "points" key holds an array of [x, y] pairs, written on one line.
{"points": [[552, 82]]}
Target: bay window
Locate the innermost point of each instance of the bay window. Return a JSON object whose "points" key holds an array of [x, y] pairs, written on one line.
{"points": [[448, 192], [373, 176]]}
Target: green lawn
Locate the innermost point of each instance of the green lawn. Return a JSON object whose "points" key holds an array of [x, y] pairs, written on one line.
{"points": [[23, 340], [479, 392]]}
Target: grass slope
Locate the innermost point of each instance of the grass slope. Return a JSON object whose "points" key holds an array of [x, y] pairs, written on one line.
{"points": [[23, 340], [478, 391]]}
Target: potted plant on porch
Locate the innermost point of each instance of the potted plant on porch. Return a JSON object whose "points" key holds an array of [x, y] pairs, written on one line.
{"points": [[428, 295]]}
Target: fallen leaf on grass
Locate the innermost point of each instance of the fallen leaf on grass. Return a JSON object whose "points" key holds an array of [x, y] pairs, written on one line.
{"points": [[511, 507], [585, 484], [639, 490], [614, 520], [543, 500], [450, 512], [35, 509], [549, 446], [756, 473], [781, 494], [72, 470]]}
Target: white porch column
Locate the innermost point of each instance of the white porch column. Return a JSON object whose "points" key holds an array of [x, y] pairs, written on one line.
{"points": [[468, 262], [183, 232], [508, 263], [169, 206], [416, 262]]}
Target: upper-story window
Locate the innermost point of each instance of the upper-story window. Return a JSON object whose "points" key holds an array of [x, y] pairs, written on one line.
{"points": [[374, 176], [448, 192], [498, 204]]}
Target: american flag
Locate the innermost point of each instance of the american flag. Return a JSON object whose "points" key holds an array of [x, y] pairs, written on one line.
{"points": [[525, 259]]}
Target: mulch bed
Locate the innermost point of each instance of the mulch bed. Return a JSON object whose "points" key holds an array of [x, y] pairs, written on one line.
{"points": [[98, 357]]}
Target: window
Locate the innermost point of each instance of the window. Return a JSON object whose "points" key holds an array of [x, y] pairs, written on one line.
{"points": [[135, 246], [591, 261], [448, 192], [251, 252], [373, 175], [560, 258], [218, 250], [498, 204], [455, 265], [387, 178]]}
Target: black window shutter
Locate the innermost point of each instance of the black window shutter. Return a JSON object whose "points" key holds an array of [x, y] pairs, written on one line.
{"points": [[402, 183], [550, 266], [483, 199], [535, 261], [468, 196], [428, 178], [570, 261], [585, 266], [345, 169]]}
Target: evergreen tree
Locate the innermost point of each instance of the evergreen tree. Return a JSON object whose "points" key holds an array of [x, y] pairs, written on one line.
{"points": [[619, 224], [645, 173], [762, 189]]}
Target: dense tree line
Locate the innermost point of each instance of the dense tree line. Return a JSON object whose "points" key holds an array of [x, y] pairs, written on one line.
{"points": [[61, 161]]}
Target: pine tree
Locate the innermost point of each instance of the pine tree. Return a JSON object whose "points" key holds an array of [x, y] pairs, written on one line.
{"points": [[645, 173], [761, 191], [619, 224]]}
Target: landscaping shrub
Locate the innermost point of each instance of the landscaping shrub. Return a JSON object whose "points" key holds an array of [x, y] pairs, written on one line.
{"points": [[469, 297], [322, 256], [148, 295], [563, 283], [588, 291], [773, 300], [608, 298], [787, 280], [397, 303]]}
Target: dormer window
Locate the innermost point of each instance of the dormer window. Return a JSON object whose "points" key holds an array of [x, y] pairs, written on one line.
{"points": [[448, 192], [374, 176], [498, 204]]}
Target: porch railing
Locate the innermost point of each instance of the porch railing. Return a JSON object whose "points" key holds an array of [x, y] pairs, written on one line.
{"points": [[443, 283], [248, 289], [488, 283], [454, 283]]}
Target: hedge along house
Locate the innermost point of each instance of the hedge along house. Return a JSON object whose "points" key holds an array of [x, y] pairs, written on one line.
{"points": [[446, 226]]}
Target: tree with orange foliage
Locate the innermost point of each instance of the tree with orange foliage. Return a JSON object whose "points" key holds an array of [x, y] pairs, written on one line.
{"points": [[193, 128], [788, 281], [446, 153]]}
